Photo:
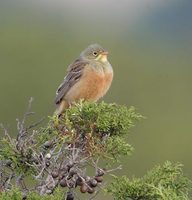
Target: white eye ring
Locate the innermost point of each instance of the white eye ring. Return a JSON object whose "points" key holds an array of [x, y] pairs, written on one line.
{"points": [[95, 53]]}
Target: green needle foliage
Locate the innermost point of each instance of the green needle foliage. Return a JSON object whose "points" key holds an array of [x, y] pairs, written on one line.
{"points": [[16, 194], [56, 158], [102, 127], [59, 154], [100, 118], [165, 182]]}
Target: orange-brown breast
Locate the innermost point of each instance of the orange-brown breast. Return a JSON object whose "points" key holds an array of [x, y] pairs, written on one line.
{"points": [[92, 86]]}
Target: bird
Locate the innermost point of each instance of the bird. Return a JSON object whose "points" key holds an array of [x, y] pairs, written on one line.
{"points": [[88, 78]]}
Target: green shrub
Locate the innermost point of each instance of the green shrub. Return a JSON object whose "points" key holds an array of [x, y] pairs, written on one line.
{"points": [[165, 182]]}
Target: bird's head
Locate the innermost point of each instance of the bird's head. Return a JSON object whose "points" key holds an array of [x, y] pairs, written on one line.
{"points": [[95, 52]]}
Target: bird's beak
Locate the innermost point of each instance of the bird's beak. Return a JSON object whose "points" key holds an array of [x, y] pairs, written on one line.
{"points": [[105, 53], [103, 56]]}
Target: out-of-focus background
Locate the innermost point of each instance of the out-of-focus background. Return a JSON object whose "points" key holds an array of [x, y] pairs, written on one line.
{"points": [[150, 45]]}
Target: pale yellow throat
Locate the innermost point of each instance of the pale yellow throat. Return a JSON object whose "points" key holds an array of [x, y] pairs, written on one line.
{"points": [[102, 58]]}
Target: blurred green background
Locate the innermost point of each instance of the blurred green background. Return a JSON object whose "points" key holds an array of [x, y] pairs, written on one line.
{"points": [[150, 45]]}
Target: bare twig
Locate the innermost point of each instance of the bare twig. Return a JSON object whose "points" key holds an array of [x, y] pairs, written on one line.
{"points": [[56, 163]]}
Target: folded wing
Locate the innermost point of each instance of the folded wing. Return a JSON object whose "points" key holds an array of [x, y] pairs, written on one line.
{"points": [[74, 74]]}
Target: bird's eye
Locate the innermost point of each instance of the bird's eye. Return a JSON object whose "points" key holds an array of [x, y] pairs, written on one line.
{"points": [[95, 53]]}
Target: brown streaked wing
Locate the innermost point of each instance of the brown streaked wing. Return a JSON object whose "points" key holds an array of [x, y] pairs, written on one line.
{"points": [[75, 72]]}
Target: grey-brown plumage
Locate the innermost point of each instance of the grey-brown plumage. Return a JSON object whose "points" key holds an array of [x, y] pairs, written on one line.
{"points": [[74, 74]]}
